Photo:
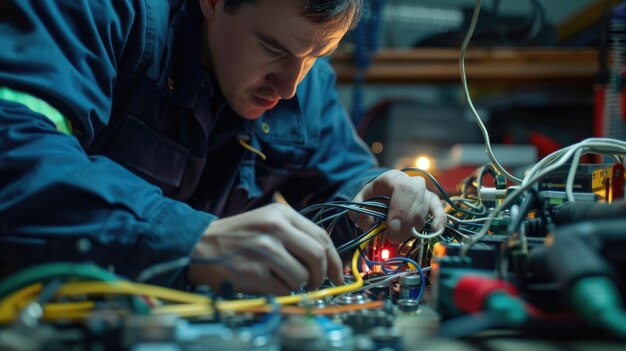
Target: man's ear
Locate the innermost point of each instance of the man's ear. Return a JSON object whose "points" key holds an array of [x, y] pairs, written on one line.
{"points": [[209, 8]]}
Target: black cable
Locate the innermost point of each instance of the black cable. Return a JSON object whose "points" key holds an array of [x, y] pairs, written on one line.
{"points": [[481, 174], [342, 208], [454, 233], [443, 192], [352, 244], [368, 202], [468, 202], [325, 208], [527, 204], [405, 243]]}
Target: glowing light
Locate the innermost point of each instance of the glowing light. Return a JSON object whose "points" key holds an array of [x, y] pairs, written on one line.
{"points": [[384, 255], [377, 147], [422, 162]]}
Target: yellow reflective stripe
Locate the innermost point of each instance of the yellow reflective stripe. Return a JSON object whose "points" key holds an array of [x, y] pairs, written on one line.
{"points": [[37, 105]]}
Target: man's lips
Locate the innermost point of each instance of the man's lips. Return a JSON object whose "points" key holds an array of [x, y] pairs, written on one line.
{"points": [[265, 103]]}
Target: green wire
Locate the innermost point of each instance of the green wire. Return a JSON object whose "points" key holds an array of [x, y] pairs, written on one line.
{"points": [[49, 271]]}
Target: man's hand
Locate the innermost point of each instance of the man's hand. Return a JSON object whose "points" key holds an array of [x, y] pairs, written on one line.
{"points": [[271, 250], [409, 207]]}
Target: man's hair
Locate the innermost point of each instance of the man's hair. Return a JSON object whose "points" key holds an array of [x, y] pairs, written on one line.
{"points": [[320, 11]]}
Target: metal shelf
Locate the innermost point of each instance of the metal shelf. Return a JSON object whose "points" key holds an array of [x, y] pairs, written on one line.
{"points": [[576, 66]]}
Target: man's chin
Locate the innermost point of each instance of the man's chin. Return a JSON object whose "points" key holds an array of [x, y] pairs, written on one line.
{"points": [[248, 109], [252, 114]]}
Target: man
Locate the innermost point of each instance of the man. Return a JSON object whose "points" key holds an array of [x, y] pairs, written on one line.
{"points": [[138, 132]]}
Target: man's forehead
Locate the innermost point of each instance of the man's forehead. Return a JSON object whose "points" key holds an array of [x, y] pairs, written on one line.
{"points": [[286, 17]]}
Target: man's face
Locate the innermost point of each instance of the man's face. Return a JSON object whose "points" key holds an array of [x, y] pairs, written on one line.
{"points": [[260, 52]]}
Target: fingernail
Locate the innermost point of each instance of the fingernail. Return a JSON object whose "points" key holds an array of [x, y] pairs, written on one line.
{"points": [[394, 225]]}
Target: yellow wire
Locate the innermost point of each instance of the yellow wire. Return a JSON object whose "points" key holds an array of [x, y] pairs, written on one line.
{"points": [[68, 310], [13, 303], [189, 304], [337, 290], [60, 307], [129, 288], [256, 151], [11, 306], [184, 310], [235, 305]]}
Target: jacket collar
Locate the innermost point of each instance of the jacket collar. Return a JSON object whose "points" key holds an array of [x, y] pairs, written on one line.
{"points": [[184, 74]]}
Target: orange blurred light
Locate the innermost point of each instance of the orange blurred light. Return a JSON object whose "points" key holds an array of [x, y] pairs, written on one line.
{"points": [[422, 162], [384, 255]]}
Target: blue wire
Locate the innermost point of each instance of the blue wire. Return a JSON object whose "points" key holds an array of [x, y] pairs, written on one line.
{"points": [[269, 324], [472, 224], [466, 231], [404, 261]]}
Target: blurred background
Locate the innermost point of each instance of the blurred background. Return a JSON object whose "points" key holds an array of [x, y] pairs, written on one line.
{"points": [[538, 72]]}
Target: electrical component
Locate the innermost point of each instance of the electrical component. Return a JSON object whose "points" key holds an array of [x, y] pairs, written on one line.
{"points": [[384, 254], [315, 334], [608, 182], [409, 287]]}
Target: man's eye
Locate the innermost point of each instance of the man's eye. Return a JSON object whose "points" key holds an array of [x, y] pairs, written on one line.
{"points": [[272, 53]]}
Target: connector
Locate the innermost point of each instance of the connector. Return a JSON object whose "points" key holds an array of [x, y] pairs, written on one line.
{"points": [[598, 300]]}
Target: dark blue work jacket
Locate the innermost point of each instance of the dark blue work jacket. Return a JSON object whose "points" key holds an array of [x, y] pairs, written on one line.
{"points": [[128, 77]]}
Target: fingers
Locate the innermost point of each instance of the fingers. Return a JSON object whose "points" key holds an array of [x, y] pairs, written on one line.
{"points": [[407, 207], [364, 222], [289, 246], [272, 254], [410, 203], [253, 262], [314, 247], [437, 212], [311, 254], [257, 278]]}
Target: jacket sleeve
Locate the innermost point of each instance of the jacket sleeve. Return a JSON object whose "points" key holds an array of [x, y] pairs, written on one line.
{"points": [[56, 202]]}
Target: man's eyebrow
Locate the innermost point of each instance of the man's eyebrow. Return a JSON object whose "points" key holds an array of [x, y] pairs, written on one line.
{"points": [[273, 42]]}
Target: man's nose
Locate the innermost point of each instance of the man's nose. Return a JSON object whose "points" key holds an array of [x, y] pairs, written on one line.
{"points": [[284, 80]]}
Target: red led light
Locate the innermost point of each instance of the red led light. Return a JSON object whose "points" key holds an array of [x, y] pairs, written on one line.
{"points": [[384, 255]]}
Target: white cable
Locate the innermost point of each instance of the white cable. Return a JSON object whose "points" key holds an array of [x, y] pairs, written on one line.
{"points": [[569, 184], [428, 236], [597, 145], [390, 276], [462, 221], [550, 163], [378, 281], [546, 165], [481, 126]]}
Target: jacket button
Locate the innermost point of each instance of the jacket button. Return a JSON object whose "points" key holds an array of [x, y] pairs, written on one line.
{"points": [[265, 127], [170, 84]]}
